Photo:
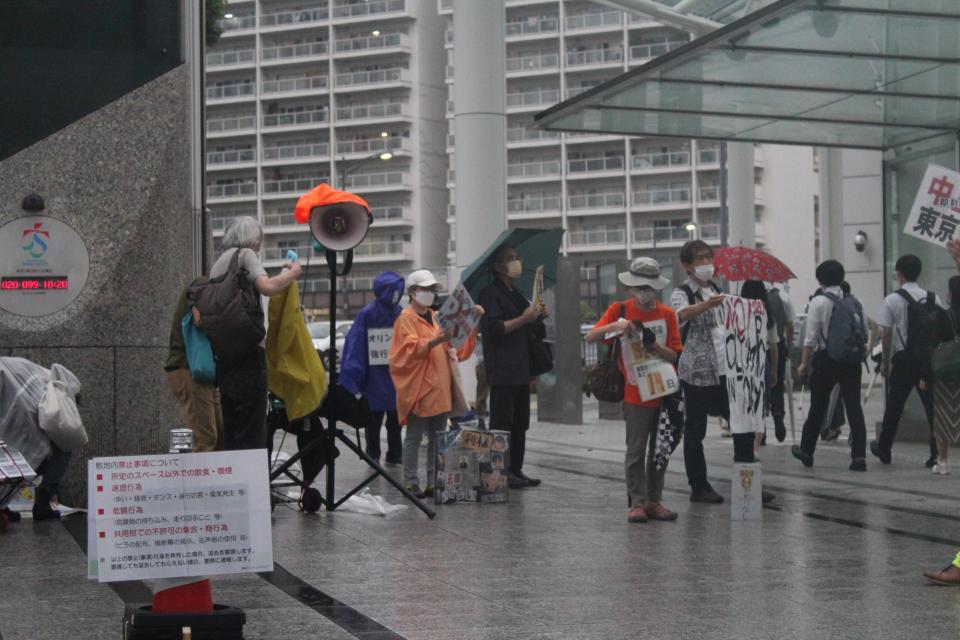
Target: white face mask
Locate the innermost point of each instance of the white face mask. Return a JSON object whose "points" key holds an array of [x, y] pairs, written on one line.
{"points": [[425, 298], [514, 269], [704, 272], [644, 296]]}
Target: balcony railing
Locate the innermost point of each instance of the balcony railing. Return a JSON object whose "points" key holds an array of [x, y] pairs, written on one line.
{"points": [[654, 235], [708, 194], [710, 232], [362, 180], [239, 123], [238, 90], [662, 159], [378, 76], [590, 165], [387, 212], [652, 50], [527, 98], [369, 145], [231, 157], [596, 200], [285, 85], [279, 219], [661, 196], [280, 253], [366, 111], [296, 151], [389, 248], [709, 156], [533, 62], [238, 23], [534, 169], [594, 56], [596, 238], [290, 51], [575, 91], [371, 42], [531, 205], [523, 134], [368, 8], [293, 185], [594, 20], [300, 16], [534, 26], [298, 118], [232, 190], [220, 58]]}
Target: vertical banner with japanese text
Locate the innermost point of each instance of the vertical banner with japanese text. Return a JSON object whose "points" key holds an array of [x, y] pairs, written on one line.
{"points": [[744, 324], [935, 213], [178, 515]]}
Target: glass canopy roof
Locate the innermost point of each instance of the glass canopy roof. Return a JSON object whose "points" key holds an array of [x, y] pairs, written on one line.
{"points": [[853, 73]]}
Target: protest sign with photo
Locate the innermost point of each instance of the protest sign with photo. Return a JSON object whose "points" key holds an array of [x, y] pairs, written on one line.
{"points": [[744, 323], [653, 376], [459, 314], [935, 213], [472, 466]]}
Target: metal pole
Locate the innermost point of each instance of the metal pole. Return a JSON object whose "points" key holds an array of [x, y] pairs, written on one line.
{"points": [[724, 212], [332, 383]]}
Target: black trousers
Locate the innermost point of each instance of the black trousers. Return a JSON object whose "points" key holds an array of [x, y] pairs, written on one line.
{"points": [[394, 439], [777, 407], [243, 400], [825, 374], [743, 447], [510, 411], [699, 403], [904, 378]]}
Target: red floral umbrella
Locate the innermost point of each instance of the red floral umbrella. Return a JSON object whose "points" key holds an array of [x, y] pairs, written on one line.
{"points": [[744, 263]]}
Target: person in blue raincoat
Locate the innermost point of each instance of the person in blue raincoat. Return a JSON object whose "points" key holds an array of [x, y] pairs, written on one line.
{"points": [[371, 335]]}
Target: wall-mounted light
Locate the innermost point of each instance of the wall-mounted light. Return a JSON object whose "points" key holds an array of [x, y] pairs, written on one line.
{"points": [[375, 32], [860, 241]]}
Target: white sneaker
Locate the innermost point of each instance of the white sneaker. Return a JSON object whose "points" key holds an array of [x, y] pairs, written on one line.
{"points": [[941, 468]]}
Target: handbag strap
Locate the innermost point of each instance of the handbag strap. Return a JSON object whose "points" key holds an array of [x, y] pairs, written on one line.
{"points": [[612, 353]]}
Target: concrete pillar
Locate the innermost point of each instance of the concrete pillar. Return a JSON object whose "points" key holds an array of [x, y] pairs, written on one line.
{"points": [[740, 195], [480, 126], [480, 134], [560, 392]]}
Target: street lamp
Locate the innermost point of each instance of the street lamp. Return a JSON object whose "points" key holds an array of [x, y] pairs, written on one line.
{"points": [[691, 228], [346, 169]]}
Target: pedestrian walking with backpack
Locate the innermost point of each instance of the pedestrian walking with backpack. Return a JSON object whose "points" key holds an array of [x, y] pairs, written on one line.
{"points": [[835, 341], [909, 320], [229, 310], [642, 316]]}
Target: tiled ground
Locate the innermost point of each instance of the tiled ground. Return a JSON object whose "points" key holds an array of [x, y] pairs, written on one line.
{"points": [[840, 556]]}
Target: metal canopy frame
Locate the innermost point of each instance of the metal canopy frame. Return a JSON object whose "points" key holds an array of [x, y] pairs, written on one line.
{"points": [[899, 86]]}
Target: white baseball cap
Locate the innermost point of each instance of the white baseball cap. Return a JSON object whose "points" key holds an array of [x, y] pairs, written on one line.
{"points": [[644, 272], [422, 279]]}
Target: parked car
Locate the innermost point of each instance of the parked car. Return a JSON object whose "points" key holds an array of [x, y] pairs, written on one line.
{"points": [[320, 334]]}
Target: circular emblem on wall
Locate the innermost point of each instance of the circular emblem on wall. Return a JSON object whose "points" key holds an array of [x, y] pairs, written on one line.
{"points": [[43, 266]]}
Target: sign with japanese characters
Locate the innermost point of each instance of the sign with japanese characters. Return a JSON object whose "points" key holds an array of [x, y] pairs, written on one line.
{"points": [[744, 323], [378, 346], [178, 515], [935, 213], [459, 314], [746, 489], [653, 376]]}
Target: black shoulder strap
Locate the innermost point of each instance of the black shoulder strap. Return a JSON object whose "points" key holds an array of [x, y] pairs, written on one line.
{"points": [[931, 298], [690, 297], [623, 310], [906, 296]]}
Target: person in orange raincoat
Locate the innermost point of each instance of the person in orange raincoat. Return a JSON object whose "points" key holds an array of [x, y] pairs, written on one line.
{"points": [[420, 366]]}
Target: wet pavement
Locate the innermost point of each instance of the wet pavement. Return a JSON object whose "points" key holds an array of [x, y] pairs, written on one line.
{"points": [[838, 555]]}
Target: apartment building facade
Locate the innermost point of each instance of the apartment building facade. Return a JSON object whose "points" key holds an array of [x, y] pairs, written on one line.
{"points": [[338, 91]]}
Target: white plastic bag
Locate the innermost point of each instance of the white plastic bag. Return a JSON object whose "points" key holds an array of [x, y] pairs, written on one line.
{"points": [[58, 413], [370, 504]]}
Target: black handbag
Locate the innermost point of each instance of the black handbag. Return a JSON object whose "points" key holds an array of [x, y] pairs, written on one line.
{"points": [[604, 379], [541, 356]]}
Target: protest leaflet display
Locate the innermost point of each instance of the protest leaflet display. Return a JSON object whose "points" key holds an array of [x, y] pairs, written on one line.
{"points": [[459, 313], [472, 466], [178, 515], [935, 213], [653, 376], [744, 323], [378, 346]]}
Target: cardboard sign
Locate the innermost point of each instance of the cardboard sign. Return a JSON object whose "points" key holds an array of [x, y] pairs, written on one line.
{"points": [[935, 214], [472, 466], [178, 515], [746, 492], [745, 349], [378, 346], [459, 314]]}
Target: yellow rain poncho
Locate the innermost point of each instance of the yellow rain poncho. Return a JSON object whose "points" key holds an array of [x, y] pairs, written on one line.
{"points": [[294, 370]]}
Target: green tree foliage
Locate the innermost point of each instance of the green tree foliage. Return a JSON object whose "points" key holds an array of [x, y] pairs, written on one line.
{"points": [[214, 13]]}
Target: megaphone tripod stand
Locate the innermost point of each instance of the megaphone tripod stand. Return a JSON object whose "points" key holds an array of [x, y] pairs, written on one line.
{"points": [[331, 433]]}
